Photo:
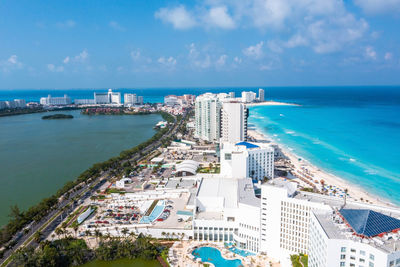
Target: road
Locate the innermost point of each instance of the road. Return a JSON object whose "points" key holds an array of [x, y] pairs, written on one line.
{"points": [[48, 224]]}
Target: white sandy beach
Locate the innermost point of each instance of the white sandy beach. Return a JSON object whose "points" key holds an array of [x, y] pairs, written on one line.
{"points": [[356, 193], [271, 103]]}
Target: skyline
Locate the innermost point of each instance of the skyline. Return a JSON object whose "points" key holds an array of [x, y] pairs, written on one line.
{"points": [[102, 44]]}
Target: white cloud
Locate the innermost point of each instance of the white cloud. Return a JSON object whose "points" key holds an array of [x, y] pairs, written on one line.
{"points": [[370, 52], [135, 55], [221, 61], [66, 24], [53, 68], [66, 60], [179, 17], [168, 62], [274, 46], [237, 60], [254, 51], [197, 59], [388, 56], [81, 57], [379, 6], [219, 17], [296, 40], [116, 26], [10, 64]]}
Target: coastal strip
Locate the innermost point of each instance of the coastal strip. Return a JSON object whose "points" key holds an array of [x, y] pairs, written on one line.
{"points": [[318, 178], [271, 103]]}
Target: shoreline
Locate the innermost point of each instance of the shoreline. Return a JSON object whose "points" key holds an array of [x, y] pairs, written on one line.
{"points": [[271, 103], [356, 193]]}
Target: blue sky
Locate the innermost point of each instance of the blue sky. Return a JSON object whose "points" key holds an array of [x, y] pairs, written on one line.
{"points": [[134, 44]]}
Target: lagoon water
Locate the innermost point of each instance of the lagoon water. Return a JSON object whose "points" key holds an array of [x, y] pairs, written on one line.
{"points": [[38, 156]]}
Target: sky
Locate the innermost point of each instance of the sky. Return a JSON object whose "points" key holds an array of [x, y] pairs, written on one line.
{"points": [[142, 44]]}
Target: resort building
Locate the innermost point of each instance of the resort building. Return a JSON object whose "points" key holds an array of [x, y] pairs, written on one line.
{"points": [[227, 210], [245, 159], [132, 99], [16, 103], [234, 122], [84, 102], [107, 98], [208, 117], [354, 237], [248, 97], [55, 101], [261, 95]]}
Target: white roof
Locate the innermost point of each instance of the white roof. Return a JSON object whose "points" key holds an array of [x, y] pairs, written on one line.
{"points": [[188, 166], [157, 159]]}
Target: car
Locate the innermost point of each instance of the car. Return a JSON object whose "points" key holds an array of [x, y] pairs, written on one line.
{"points": [[180, 220], [160, 219]]}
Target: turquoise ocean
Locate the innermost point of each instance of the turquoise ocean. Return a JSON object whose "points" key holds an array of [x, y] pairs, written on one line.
{"points": [[352, 132]]}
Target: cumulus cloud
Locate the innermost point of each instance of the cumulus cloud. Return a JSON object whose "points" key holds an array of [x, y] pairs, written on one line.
{"points": [[370, 52], [219, 17], [178, 16], [53, 68], [221, 61], [296, 40], [10, 64], [81, 57], [374, 7], [66, 60], [116, 26], [254, 51], [388, 56], [198, 59], [169, 62], [274, 46]]}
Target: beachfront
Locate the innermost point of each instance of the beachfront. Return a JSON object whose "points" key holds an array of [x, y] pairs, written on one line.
{"points": [[309, 175]]}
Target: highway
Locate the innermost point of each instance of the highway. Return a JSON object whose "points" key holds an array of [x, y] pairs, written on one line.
{"points": [[55, 217]]}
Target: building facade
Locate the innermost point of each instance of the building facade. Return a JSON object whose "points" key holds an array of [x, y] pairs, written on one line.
{"points": [[247, 159], [261, 95], [55, 101], [208, 117], [248, 97], [234, 122]]}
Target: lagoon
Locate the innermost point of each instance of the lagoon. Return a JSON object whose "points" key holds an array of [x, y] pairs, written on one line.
{"points": [[37, 157]]}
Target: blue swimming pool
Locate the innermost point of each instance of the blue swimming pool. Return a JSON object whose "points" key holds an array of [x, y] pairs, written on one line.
{"points": [[213, 255], [158, 209]]}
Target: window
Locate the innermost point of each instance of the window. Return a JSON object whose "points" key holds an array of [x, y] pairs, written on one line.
{"points": [[342, 264], [391, 263], [371, 257], [362, 252], [352, 250], [371, 264], [342, 257]]}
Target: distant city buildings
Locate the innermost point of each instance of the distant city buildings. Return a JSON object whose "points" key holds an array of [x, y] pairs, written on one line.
{"points": [[109, 97], [55, 101], [261, 95], [16, 103], [132, 99], [245, 159], [173, 100], [248, 97]]}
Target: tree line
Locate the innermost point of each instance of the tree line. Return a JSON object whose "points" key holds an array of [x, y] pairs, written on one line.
{"points": [[20, 219], [74, 252]]}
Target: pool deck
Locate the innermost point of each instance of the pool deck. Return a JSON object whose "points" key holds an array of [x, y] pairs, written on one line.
{"points": [[181, 255]]}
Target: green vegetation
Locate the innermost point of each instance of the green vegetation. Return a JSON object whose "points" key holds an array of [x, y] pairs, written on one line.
{"points": [[152, 206], [307, 189], [20, 111], [300, 260], [57, 117], [74, 252], [19, 219]]}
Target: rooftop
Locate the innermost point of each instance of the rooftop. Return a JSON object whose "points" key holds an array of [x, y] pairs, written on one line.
{"points": [[247, 145], [369, 223]]}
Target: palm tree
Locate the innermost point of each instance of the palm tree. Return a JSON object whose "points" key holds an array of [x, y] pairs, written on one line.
{"points": [[97, 234], [38, 237], [132, 235], [125, 231], [163, 234], [59, 232], [88, 233]]}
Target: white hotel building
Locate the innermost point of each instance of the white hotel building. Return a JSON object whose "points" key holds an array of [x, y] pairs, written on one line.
{"points": [[109, 97], [233, 122], [245, 159], [208, 116], [284, 221], [55, 101]]}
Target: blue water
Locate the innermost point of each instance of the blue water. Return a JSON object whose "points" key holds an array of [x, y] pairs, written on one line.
{"points": [[213, 255], [354, 134], [158, 209]]}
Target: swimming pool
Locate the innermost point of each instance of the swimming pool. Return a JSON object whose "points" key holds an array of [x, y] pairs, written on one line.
{"points": [[213, 255], [158, 209]]}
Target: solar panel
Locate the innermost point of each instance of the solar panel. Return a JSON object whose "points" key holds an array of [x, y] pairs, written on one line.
{"points": [[368, 222]]}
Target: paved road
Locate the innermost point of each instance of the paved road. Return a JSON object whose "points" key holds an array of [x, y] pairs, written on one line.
{"points": [[84, 193]]}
